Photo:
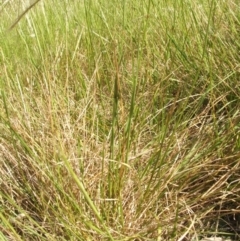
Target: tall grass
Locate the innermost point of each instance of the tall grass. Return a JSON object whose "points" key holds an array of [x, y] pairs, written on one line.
{"points": [[119, 120]]}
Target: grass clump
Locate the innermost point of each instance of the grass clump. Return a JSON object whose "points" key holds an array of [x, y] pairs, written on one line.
{"points": [[120, 120]]}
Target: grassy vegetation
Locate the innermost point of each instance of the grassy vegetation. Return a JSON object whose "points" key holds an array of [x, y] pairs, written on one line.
{"points": [[119, 120]]}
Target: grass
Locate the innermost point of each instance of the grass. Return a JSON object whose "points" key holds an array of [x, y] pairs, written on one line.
{"points": [[119, 120]]}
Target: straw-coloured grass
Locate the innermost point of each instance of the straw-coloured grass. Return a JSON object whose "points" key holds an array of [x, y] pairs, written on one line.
{"points": [[120, 120]]}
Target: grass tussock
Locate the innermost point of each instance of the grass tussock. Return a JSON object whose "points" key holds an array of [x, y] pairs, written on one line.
{"points": [[119, 120]]}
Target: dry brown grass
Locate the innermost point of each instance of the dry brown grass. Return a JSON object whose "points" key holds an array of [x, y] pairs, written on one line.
{"points": [[113, 129]]}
